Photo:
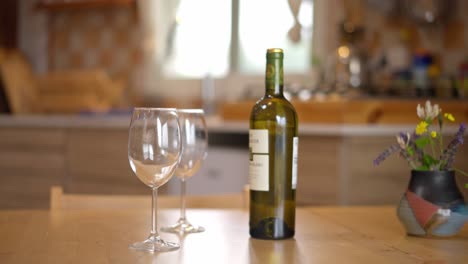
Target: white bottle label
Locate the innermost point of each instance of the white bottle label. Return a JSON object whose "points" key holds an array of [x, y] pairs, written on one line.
{"points": [[294, 162], [259, 160]]}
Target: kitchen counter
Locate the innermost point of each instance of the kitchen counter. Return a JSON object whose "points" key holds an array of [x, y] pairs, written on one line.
{"points": [[88, 154], [215, 125], [367, 112]]}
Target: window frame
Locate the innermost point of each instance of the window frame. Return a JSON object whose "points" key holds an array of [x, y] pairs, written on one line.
{"points": [[233, 86]]}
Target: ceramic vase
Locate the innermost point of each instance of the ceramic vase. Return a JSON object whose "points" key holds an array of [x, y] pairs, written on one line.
{"points": [[432, 205]]}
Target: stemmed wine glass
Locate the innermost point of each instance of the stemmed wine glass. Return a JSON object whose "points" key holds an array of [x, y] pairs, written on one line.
{"points": [[194, 138], [154, 149]]}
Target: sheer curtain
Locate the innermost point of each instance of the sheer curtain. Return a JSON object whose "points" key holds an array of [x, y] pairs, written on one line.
{"points": [[294, 32], [157, 18]]}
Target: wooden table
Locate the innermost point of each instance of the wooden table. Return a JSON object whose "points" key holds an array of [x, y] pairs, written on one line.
{"points": [[323, 235]]}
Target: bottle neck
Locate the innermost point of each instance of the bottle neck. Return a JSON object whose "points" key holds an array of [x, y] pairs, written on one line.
{"points": [[274, 76]]}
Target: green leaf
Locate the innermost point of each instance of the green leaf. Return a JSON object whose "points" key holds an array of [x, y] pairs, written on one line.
{"points": [[440, 118], [410, 151], [428, 160], [461, 172], [422, 168], [466, 185], [422, 142]]}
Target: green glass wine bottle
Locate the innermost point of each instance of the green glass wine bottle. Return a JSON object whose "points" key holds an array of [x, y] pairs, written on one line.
{"points": [[273, 146]]}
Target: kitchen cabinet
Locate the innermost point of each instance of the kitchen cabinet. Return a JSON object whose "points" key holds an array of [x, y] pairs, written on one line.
{"points": [[225, 170], [89, 155], [31, 160]]}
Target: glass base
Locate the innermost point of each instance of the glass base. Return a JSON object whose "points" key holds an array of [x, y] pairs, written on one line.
{"points": [[183, 227], [154, 243]]}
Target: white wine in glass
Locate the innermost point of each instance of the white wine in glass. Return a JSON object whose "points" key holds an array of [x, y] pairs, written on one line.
{"points": [[154, 149], [194, 138]]}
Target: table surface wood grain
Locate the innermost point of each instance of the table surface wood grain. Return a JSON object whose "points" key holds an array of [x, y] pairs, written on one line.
{"points": [[323, 235]]}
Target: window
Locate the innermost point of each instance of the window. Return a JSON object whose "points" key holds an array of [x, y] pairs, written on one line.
{"points": [[198, 43], [201, 41], [265, 24]]}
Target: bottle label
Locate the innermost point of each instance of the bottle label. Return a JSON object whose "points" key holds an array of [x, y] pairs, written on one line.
{"points": [[294, 162], [259, 160]]}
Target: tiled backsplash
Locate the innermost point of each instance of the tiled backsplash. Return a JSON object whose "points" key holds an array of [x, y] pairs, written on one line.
{"points": [[112, 38], [107, 38]]}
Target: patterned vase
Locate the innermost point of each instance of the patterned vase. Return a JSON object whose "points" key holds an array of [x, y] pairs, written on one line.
{"points": [[433, 205]]}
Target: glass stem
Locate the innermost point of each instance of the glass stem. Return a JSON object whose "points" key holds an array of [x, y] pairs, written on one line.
{"points": [[182, 199], [154, 213]]}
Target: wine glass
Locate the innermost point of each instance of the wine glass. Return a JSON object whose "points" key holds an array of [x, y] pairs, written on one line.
{"points": [[194, 138], [154, 149]]}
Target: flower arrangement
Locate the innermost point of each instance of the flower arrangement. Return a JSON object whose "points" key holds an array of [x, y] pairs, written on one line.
{"points": [[424, 149]]}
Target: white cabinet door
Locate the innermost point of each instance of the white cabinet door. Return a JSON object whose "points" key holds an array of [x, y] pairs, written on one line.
{"points": [[225, 170]]}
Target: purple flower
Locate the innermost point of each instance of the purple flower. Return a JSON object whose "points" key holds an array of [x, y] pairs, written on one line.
{"points": [[461, 132], [404, 136], [449, 153], [384, 155]]}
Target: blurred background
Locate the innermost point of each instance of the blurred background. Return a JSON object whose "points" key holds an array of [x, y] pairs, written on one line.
{"points": [[155, 52], [70, 71]]}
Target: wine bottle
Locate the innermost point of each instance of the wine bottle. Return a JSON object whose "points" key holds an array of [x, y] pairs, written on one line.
{"points": [[273, 147]]}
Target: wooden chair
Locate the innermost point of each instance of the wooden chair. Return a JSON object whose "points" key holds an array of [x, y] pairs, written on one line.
{"points": [[55, 92], [64, 201]]}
